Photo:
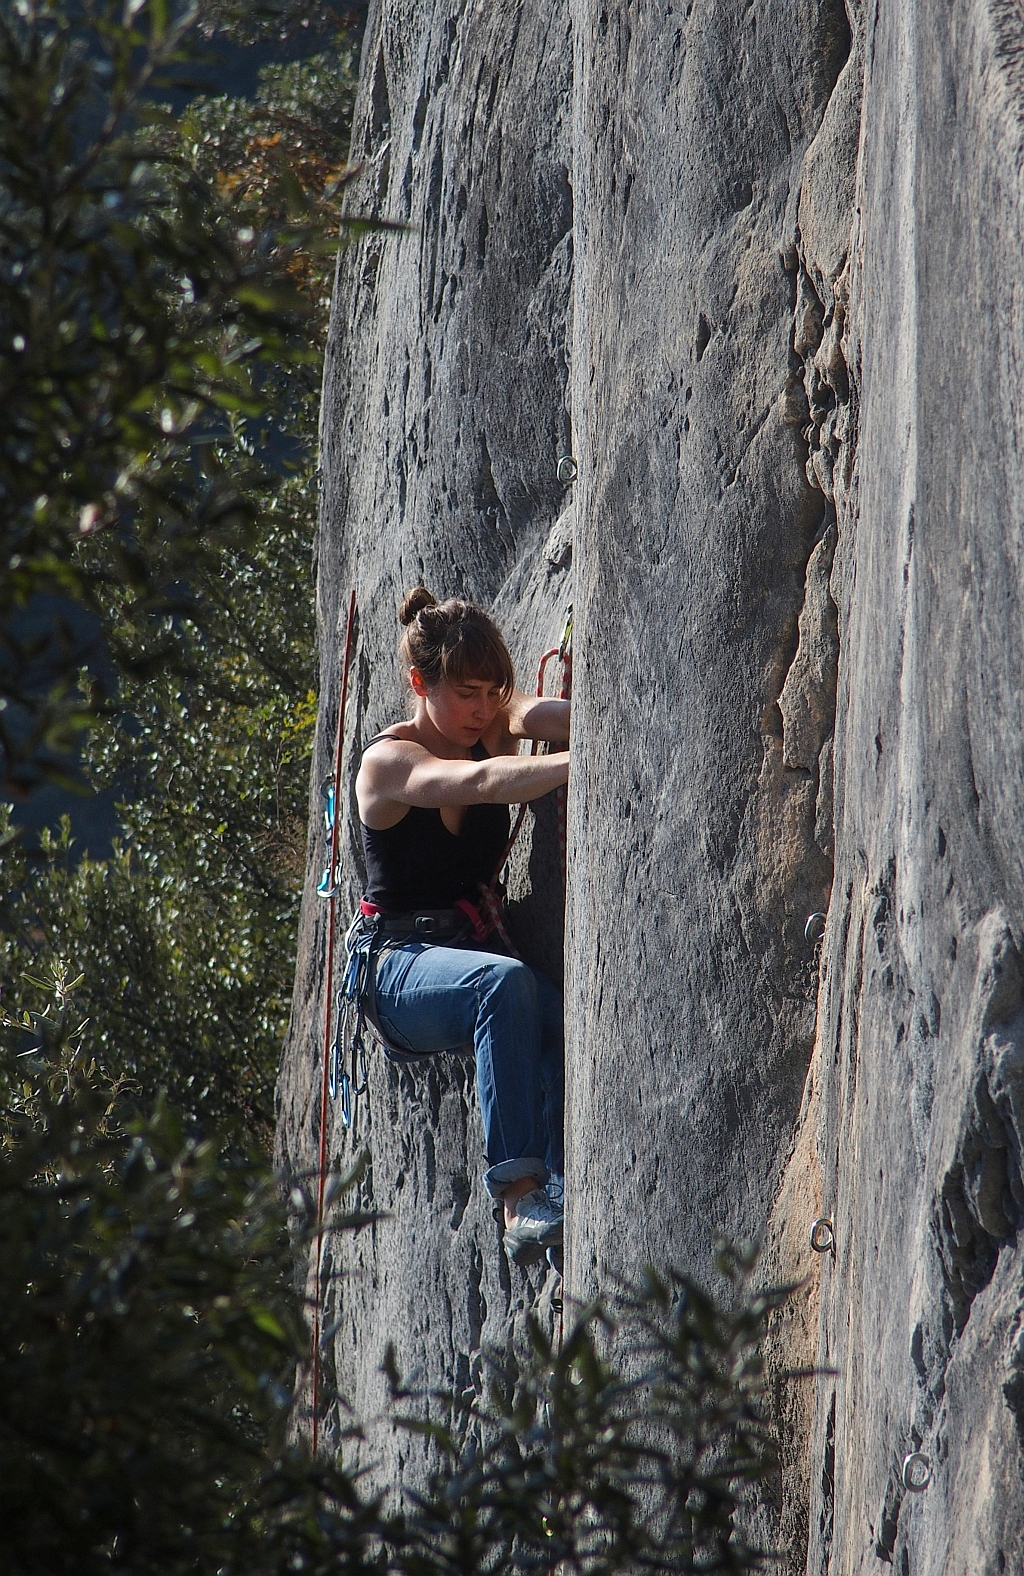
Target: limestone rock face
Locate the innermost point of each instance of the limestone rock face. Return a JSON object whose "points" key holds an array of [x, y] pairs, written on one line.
{"points": [[758, 270], [917, 1078], [445, 416]]}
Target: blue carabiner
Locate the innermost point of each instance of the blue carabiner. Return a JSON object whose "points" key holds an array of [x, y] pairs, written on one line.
{"points": [[350, 986], [346, 1101], [325, 886], [338, 1048]]}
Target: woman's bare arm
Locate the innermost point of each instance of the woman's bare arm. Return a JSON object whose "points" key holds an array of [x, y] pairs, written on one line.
{"points": [[399, 772], [532, 717]]}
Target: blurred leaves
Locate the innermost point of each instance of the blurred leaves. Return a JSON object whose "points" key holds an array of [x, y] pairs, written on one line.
{"points": [[630, 1446], [186, 936], [154, 299], [150, 1346]]}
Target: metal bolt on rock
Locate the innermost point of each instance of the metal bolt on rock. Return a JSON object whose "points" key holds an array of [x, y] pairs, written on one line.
{"points": [[567, 470], [815, 927], [823, 1238], [917, 1472]]}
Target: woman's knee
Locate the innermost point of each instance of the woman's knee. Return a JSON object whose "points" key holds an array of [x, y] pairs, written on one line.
{"points": [[509, 981]]}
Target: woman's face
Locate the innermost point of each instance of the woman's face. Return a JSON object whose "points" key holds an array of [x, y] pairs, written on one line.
{"points": [[461, 712]]}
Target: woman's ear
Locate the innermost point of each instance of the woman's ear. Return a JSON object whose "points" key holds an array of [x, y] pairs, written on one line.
{"points": [[416, 683]]}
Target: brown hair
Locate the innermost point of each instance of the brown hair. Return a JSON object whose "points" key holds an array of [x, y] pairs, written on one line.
{"points": [[452, 641]]}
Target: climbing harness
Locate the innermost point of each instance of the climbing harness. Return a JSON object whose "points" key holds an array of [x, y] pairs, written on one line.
{"points": [[328, 888], [370, 934]]}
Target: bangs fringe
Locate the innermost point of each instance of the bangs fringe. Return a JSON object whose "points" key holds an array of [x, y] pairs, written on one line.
{"points": [[472, 652]]}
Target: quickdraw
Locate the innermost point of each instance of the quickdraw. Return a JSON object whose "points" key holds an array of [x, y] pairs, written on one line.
{"points": [[351, 1018], [327, 887]]}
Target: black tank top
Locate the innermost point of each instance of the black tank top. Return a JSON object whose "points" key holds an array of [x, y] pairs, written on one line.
{"points": [[420, 864]]}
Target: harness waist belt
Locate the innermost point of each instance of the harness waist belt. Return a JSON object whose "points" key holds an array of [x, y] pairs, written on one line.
{"points": [[435, 923]]}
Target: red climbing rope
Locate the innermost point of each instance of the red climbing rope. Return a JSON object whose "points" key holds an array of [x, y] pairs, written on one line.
{"points": [[563, 652], [562, 795], [329, 997]]}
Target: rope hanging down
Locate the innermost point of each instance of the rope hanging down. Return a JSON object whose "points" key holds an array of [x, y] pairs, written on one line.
{"points": [[563, 651], [329, 889]]}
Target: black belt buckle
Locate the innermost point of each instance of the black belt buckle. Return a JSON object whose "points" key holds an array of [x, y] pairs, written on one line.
{"points": [[425, 924]]}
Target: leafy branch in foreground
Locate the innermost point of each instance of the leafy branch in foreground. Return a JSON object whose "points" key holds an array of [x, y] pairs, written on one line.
{"points": [[150, 1341], [153, 1348], [629, 1447]]}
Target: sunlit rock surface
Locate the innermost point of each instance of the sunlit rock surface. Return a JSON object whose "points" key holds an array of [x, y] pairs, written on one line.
{"points": [[758, 270]]}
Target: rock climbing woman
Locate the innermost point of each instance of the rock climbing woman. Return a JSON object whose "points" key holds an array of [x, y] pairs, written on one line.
{"points": [[433, 794]]}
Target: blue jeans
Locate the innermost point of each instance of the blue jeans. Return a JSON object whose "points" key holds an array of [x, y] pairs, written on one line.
{"points": [[432, 998]]}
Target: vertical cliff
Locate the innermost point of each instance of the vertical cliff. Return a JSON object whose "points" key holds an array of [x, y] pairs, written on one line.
{"points": [[445, 415], [918, 1070], [757, 268]]}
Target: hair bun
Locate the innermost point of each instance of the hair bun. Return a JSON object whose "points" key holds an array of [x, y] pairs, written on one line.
{"points": [[414, 602]]}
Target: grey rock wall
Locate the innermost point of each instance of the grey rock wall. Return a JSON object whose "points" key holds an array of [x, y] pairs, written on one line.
{"points": [[757, 267], [701, 563], [917, 1080], [445, 415]]}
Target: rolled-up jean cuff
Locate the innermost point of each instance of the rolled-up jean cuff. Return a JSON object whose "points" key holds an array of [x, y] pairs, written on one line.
{"points": [[497, 1179]]}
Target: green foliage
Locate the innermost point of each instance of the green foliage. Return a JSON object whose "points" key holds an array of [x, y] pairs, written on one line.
{"points": [[249, 21], [147, 314], [150, 1347], [175, 995], [152, 1357], [280, 163], [186, 936]]}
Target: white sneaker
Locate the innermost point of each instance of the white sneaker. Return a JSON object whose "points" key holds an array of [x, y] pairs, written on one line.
{"points": [[537, 1226]]}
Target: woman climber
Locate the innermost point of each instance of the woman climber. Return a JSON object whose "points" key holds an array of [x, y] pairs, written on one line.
{"points": [[433, 794]]}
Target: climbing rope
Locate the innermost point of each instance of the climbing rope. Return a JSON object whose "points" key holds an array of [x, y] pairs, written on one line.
{"points": [[562, 795], [328, 889], [563, 651]]}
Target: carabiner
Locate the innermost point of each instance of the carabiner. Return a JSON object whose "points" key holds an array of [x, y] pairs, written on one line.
{"points": [[351, 976], [338, 1048], [326, 887], [565, 645], [360, 1070]]}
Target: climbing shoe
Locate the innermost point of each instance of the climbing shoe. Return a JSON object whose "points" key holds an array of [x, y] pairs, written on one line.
{"points": [[537, 1227]]}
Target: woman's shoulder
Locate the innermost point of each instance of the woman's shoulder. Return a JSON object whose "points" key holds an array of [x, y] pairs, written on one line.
{"points": [[398, 733]]}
